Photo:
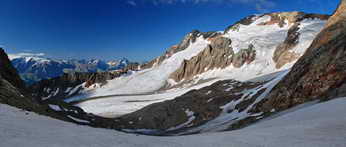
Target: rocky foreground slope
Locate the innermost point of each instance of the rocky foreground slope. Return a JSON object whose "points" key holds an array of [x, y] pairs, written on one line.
{"points": [[226, 105]]}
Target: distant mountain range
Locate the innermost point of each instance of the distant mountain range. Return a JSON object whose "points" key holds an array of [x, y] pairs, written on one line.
{"points": [[33, 68]]}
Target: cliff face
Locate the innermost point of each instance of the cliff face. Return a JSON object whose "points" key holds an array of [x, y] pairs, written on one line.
{"points": [[217, 54], [8, 72], [12, 89]]}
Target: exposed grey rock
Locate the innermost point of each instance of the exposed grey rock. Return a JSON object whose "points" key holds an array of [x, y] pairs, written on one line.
{"points": [[188, 39], [282, 54], [217, 55], [244, 56]]}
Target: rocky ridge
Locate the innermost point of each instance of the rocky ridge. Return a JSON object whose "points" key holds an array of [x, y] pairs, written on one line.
{"points": [[220, 54]]}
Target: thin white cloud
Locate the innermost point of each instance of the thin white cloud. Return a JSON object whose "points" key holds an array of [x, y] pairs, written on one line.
{"points": [[264, 5], [20, 55], [132, 3], [259, 5]]}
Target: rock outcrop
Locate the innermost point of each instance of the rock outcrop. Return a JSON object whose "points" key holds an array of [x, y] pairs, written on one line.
{"points": [[244, 56], [218, 54], [8, 72], [187, 40], [12, 88]]}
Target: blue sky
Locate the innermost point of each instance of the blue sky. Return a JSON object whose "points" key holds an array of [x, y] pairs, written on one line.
{"points": [[137, 29]]}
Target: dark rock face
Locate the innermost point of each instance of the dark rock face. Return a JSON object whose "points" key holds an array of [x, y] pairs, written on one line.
{"points": [[12, 88], [69, 85], [320, 73], [8, 72]]}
